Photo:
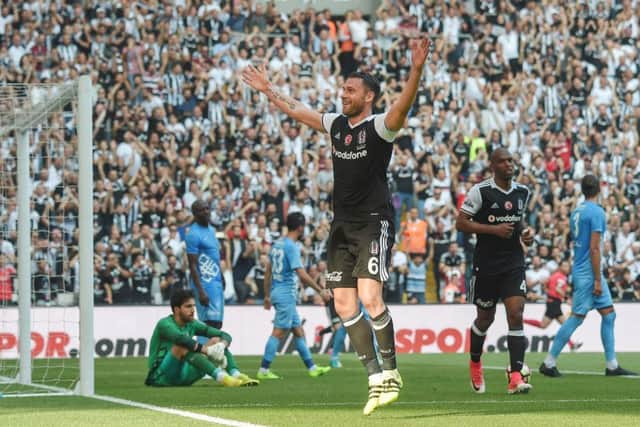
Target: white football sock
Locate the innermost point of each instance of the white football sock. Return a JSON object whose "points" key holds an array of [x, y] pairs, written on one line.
{"points": [[550, 361], [375, 379]]}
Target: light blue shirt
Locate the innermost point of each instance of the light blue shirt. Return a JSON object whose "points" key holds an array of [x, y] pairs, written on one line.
{"points": [[588, 218], [285, 259], [416, 279], [202, 241]]}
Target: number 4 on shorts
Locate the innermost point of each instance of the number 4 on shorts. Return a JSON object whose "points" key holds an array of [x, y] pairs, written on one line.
{"points": [[523, 286]]}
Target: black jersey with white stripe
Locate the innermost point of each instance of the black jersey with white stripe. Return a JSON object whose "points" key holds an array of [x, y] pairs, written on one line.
{"points": [[361, 155], [487, 203]]}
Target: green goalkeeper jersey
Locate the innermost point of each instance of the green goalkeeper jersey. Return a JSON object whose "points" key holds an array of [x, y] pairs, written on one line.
{"points": [[168, 333]]}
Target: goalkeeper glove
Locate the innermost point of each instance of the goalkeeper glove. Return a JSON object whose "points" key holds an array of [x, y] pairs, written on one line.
{"points": [[215, 352]]}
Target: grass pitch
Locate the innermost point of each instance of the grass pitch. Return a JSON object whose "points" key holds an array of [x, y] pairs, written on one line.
{"points": [[436, 392]]}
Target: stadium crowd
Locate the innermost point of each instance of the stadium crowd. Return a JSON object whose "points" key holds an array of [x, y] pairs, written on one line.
{"points": [[555, 82]]}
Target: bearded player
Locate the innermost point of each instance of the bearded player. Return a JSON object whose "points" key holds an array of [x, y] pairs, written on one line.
{"points": [[176, 359], [362, 233]]}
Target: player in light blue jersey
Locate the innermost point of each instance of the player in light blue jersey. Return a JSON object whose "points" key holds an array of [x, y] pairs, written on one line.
{"points": [[280, 291], [203, 254], [590, 290]]}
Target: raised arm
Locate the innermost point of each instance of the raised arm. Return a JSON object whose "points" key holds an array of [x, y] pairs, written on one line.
{"points": [[256, 78], [398, 112]]}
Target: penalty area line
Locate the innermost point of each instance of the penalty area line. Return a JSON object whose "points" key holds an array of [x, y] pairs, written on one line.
{"points": [[177, 412]]}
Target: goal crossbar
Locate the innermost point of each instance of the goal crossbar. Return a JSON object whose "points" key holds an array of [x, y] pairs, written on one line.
{"points": [[28, 114]]}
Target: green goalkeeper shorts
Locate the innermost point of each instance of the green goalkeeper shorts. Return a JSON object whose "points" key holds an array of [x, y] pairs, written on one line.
{"points": [[174, 372]]}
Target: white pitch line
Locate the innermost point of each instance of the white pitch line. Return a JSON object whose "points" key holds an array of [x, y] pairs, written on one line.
{"points": [[425, 402], [178, 412], [594, 373], [17, 395]]}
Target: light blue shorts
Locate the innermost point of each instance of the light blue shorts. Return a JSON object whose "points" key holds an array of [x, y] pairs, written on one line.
{"points": [[214, 312], [583, 298], [287, 316]]}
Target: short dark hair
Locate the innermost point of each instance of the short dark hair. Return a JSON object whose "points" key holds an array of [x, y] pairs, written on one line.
{"points": [[590, 186], [295, 220], [180, 296], [369, 81]]}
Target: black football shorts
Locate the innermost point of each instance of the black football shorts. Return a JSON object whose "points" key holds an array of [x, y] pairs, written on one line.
{"points": [[485, 290], [554, 309], [359, 250]]}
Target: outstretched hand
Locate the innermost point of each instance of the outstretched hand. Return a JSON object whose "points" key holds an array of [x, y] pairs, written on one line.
{"points": [[420, 50], [256, 77]]}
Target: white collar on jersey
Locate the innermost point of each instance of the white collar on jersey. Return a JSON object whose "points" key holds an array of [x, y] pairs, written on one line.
{"points": [[494, 185], [360, 122]]}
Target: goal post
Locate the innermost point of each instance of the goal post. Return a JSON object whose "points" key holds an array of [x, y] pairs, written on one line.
{"points": [[85, 241], [30, 115]]}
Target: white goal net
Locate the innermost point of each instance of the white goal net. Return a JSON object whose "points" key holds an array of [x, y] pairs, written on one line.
{"points": [[44, 133]]}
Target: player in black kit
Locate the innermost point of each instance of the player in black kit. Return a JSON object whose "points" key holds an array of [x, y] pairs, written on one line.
{"points": [[362, 231], [494, 210]]}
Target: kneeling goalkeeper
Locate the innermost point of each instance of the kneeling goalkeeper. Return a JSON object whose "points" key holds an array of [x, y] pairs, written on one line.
{"points": [[176, 359]]}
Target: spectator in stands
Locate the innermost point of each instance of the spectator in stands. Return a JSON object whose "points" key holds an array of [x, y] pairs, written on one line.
{"points": [[417, 278], [452, 268], [7, 277], [173, 122], [172, 279], [414, 233]]}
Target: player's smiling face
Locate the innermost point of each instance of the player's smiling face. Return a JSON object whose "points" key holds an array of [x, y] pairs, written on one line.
{"points": [[354, 96]]}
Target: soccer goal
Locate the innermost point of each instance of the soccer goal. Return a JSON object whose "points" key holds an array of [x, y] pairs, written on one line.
{"points": [[46, 239]]}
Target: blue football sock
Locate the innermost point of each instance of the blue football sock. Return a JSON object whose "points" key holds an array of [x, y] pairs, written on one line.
{"points": [[606, 334], [338, 342], [303, 351], [270, 351], [563, 335]]}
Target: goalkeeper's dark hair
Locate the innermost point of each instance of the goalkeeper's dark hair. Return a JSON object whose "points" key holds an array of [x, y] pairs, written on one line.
{"points": [[590, 186], [295, 220], [369, 81], [180, 296]]}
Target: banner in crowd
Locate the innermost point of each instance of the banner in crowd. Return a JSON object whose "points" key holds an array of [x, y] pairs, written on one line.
{"points": [[125, 331]]}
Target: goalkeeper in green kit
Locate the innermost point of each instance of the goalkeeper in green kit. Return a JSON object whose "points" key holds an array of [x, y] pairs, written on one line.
{"points": [[176, 359]]}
